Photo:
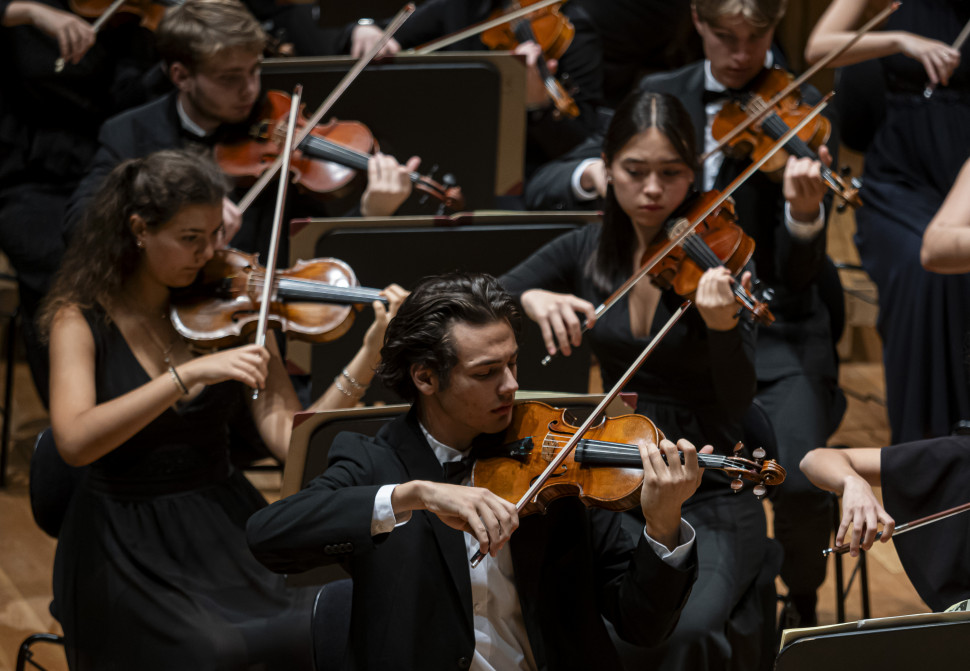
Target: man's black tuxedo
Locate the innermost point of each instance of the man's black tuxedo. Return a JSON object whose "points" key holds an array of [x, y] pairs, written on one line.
{"points": [[412, 605], [155, 127], [133, 134]]}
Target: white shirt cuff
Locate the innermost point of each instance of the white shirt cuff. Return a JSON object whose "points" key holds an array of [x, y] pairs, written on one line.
{"points": [[579, 192], [804, 230], [677, 557], [383, 520]]}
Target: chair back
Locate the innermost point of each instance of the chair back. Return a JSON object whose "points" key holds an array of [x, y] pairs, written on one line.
{"points": [[331, 624], [52, 484]]}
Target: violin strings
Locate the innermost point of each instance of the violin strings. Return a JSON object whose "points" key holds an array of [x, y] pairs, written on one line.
{"points": [[702, 253], [775, 127], [605, 449], [352, 158], [308, 283], [309, 288]]}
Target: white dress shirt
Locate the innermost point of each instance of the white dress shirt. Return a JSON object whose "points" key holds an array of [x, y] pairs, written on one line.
{"points": [[501, 639]]}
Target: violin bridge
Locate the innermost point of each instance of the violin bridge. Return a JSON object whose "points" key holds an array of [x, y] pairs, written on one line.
{"points": [[550, 446]]}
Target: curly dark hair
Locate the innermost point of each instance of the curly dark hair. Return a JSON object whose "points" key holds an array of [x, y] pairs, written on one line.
{"points": [[420, 333], [639, 112], [104, 253]]}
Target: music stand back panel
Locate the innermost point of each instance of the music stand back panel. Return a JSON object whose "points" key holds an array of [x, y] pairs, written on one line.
{"points": [[381, 256], [444, 109], [927, 646]]}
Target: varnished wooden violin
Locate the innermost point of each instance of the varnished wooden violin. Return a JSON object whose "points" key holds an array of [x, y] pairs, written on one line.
{"points": [[757, 137], [314, 300], [605, 469], [327, 160]]}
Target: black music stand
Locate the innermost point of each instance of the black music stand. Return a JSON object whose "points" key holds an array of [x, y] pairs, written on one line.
{"points": [[463, 112], [927, 641], [406, 249]]}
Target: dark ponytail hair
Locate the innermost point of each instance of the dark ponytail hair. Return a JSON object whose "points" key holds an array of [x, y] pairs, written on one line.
{"points": [[104, 253], [639, 112]]}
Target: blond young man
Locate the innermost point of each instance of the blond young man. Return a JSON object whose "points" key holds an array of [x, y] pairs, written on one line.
{"points": [[212, 51]]}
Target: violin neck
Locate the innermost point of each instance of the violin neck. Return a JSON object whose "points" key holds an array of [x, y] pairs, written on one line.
{"points": [[325, 150], [310, 291], [775, 127], [602, 453], [522, 30]]}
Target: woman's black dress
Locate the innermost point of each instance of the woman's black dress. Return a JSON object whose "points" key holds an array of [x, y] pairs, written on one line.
{"points": [[696, 385], [919, 479], [152, 569], [913, 161]]}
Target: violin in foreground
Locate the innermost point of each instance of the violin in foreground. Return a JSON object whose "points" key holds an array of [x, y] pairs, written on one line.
{"points": [[605, 469]]}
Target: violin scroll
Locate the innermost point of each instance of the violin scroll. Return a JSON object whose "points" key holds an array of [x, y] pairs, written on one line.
{"points": [[757, 470]]}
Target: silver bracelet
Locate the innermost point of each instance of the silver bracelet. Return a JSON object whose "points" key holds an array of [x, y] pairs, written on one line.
{"points": [[354, 383], [340, 388], [178, 381]]}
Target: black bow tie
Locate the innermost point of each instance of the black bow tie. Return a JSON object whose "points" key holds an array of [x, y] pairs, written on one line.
{"points": [[457, 471], [709, 96]]}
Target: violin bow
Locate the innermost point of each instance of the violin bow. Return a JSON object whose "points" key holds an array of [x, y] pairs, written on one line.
{"points": [[269, 278], [325, 106], [904, 528], [957, 44], [687, 230], [798, 81], [96, 26], [481, 27], [593, 417]]}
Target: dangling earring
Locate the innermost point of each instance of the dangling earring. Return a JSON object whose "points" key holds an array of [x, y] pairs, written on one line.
{"points": [[140, 244]]}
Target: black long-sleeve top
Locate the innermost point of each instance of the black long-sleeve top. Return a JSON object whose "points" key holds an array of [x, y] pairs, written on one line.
{"points": [[697, 384]]}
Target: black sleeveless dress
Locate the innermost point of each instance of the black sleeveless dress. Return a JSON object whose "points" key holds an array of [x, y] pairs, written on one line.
{"points": [[913, 161], [152, 569], [919, 479]]}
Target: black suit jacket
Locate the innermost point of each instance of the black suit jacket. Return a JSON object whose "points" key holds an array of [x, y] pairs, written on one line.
{"points": [[412, 605], [156, 126], [132, 134], [800, 338]]}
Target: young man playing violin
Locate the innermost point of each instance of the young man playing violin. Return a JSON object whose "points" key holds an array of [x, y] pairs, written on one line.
{"points": [[795, 359], [212, 51], [386, 509]]}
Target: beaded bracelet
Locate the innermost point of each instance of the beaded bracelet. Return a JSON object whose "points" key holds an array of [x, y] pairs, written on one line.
{"points": [[354, 383], [340, 387], [178, 381]]}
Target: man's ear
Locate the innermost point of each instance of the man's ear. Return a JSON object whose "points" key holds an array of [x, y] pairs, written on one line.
{"points": [[694, 17], [425, 379], [179, 74]]}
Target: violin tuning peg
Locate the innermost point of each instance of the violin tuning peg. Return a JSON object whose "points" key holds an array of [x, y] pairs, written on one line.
{"points": [[845, 170], [856, 183], [758, 453], [759, 490], [736, 484], [738, 446], [448, 179], [840, 208], [434, 169]]}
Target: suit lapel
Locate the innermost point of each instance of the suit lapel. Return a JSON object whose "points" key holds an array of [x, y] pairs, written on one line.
{"points": [[528, 542], [421, 463]]}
